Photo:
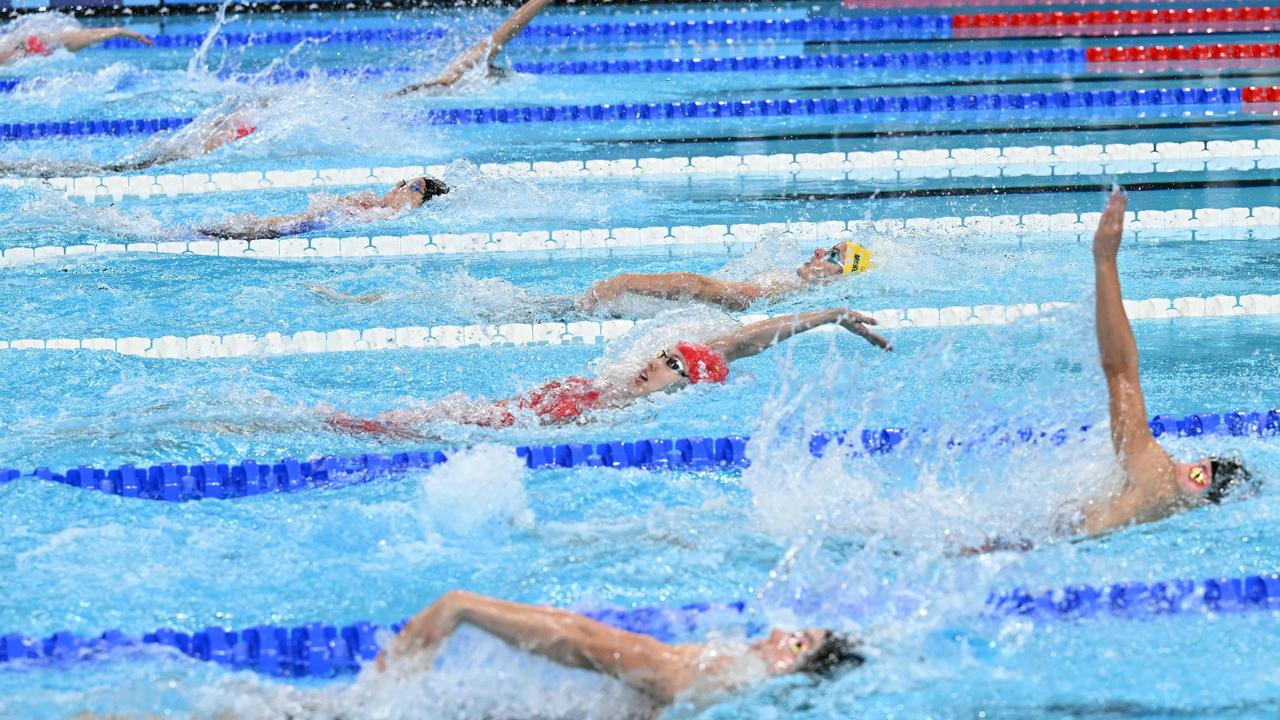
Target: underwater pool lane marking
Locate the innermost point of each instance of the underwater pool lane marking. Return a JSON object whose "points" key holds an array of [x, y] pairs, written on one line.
{"points": [[1007, 161], [1256, 223], [210, 480], [200, 347], [1143, 101], [1136, 57], [322, 650]]}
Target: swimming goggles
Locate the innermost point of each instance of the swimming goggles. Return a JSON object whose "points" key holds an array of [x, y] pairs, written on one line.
{"points": [[833, 257], [1197, 476], [673, 363]]}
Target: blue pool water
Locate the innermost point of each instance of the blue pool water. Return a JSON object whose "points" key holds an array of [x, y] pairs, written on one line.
{"points": [[865, 532]]}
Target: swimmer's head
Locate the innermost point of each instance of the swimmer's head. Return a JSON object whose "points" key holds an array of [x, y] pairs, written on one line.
{"points": [[685, 363], [814, 652], [1213, 478], [846, 258], [409, 194]]}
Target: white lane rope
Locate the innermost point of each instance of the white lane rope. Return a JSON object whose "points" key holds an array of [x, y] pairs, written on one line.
{"points": [[1258, 223], [592, 332], [886, 165]]}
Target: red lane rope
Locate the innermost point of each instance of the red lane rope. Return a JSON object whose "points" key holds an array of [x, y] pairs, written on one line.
{"points": [[1117, 22], [1159, 53], [1261, 94], [895, 4]]}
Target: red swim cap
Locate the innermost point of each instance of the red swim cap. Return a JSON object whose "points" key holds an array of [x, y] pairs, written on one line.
{"points": [[702, 363], [36, 46]]}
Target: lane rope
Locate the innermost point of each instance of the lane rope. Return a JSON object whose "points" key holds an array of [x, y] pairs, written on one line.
{"points": [[1008, 161], [210, 480], [1058, 102], [322, 650], [1258, 223], [591, 332]]}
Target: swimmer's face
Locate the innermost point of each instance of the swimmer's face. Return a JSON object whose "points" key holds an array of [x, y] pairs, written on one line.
{"points": [[410, 194], [1195, 478], [661, 372], [782, 651], [826, 262]]}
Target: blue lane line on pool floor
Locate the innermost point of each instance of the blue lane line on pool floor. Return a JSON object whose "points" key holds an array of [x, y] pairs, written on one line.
{"points": [[1058, 59], [323, 650], [177, 482], [1143, 100]]}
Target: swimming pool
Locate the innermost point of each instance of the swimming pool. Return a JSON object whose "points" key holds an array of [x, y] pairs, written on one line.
{"points": [[225, 352]]}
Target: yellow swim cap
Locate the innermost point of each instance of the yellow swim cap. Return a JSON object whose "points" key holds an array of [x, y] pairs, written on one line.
{"points": [[856, 258]]}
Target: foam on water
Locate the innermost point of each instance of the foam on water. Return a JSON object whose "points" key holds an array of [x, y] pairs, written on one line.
{"points": [[479, 488]]}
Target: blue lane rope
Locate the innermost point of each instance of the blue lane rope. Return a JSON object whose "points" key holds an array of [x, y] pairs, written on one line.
{"points": [[321, 650], [286, 37], [175, 482], [979, 102], [906, 27]]}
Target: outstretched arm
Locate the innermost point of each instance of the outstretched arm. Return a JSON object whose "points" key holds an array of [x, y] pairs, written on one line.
{"points": [[74, 40], [567, 638], [1148, 468], [485, 50], [675, 286], [757, 337], [1117, 348]]}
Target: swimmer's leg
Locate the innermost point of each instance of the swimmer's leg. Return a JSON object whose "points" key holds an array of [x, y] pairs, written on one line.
{"points": [[337, 296]]}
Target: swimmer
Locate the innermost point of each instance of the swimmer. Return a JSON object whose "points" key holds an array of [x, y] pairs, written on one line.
{"points": [[661, 671], [1156, 486], [485, 51], [673, 368], [359, 207], [825, 265], [18, 45], [205, 134]]}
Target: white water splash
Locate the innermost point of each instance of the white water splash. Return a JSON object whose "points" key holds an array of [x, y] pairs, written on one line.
{"points": [[481, 487]]}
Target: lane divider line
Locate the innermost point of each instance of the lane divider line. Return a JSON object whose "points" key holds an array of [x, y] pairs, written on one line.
{"points": [[183, 482], [1145, 100], [319, 649], [1257, 223], [591, 332], [1008, 161]]}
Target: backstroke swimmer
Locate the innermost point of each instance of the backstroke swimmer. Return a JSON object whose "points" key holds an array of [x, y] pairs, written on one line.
{"points": [[205, 134], [825, 264], [485, 51], [18, 43], [662, 672], [1155, 485], [673, 368], [358, 207]]}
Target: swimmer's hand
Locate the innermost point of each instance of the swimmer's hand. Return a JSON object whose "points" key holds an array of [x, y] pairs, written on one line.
{"points": [[1106, 241], [139, 37], [856, 323], [427, 630]]}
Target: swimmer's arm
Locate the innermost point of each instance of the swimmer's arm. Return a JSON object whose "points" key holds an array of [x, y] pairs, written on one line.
{"points": [[1117, 348], [1147, 466], [339, 296], [484, 51], [567, 638], [676, 286], [757, 337], [74, 40]]}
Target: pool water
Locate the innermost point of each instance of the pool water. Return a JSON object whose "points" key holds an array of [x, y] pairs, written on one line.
{"points": [[875, 533]]}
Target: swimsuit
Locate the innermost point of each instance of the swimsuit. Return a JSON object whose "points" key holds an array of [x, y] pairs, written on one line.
{"points": [[561, 400]]}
